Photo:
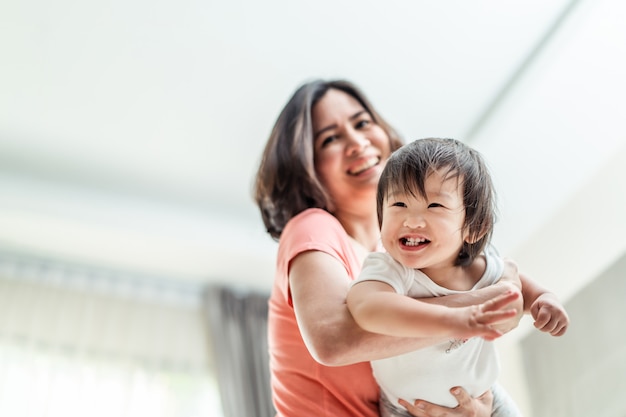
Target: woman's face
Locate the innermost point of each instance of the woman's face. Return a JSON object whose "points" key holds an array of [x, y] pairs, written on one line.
{"points": [[350, 148]]}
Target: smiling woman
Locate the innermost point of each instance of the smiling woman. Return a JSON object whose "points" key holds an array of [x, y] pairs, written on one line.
{"points": [[343, 127]]}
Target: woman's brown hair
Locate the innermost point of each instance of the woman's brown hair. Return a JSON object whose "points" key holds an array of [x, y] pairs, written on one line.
{"points": [[286, 182]]}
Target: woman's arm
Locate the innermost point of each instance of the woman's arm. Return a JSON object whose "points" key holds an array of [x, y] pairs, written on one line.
{"points": [[319, 285]]}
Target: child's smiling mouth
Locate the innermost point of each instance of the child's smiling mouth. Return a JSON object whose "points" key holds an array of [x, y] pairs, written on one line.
{"points": [[411, 241]]}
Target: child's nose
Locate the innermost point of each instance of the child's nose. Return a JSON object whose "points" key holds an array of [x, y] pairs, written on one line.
{"points": [[414, 221]]}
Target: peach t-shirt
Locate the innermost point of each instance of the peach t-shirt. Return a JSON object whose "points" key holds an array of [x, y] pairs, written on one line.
{"points": [[300, 385]]}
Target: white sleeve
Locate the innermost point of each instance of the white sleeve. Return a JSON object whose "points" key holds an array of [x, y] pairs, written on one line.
{"points": [[379, 266], [495, 265]]}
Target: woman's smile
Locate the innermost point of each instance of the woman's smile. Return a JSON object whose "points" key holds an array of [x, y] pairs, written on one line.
{"points": [[363, 165]]}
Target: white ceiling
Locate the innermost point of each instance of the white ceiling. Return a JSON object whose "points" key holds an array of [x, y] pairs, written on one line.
{"points": [[130, 130]]}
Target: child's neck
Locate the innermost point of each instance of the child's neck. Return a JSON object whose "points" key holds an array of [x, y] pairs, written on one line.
{"points": [[457, 278]]}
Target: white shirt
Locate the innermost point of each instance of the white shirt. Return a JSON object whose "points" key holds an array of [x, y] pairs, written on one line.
{"points": [[429, 373]]}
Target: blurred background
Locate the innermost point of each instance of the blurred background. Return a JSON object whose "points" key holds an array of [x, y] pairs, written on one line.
{"points": [[130, 132]]}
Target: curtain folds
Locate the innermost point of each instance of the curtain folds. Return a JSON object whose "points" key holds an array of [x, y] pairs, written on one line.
{"points": [[238, 329], [80, 340]]}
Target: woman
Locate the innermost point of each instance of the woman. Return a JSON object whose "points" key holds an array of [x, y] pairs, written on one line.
{"points": [[316, 188]]}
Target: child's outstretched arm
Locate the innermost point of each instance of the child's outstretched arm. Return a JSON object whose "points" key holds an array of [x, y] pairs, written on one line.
{"points": [[376, 307], [510, 281], [545, 308]]}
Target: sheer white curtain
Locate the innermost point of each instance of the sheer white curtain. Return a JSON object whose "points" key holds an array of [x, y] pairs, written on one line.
{"points": [[77, 341]]}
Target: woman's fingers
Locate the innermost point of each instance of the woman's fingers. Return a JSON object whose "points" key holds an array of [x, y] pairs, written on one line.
{"points": [[468, 406]]}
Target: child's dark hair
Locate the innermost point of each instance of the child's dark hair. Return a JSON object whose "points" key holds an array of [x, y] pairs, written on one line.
{"points": [[409, 166]]}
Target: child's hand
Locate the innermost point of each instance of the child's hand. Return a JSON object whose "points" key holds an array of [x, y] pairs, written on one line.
{"points": [[549, 315], [482, 318]]}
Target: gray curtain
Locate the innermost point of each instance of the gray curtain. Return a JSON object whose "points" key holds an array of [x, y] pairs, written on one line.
{"points": [[238, 332]]}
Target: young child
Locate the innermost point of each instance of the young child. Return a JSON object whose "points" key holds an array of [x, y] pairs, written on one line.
{"points": [[436, 210]]}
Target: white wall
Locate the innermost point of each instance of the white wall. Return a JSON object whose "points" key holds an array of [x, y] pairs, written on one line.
{"points": [[556, 145]]}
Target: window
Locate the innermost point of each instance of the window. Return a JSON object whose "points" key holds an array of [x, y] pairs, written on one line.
{"points": [[76, 341]]}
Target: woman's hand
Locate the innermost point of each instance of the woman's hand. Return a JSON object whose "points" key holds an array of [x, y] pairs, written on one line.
{"points": [[468, 406]]}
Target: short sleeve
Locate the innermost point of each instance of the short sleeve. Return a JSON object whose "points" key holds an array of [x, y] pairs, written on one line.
{"points": [[313, 229], [380, 266]]}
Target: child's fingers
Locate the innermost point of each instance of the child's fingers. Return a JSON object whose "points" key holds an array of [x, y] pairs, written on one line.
{"points": [[500, 301], [560, 330], [491, 334], [550, 321], [555, 327], [492, 317]]}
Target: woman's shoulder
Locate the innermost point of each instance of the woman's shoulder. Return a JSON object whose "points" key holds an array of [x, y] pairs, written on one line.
{"points": [[313, 213], [314, 229], [313, 219]]}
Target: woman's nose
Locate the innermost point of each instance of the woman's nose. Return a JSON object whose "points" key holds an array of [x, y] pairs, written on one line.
{"points": [[357, 142]]}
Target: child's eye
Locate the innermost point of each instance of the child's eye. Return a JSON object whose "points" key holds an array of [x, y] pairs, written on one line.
{"points": [[398, 204], [432, 205]]}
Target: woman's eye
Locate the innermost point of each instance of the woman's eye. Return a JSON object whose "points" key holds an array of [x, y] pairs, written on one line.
{"points": [[362, 123], [328, 140]]}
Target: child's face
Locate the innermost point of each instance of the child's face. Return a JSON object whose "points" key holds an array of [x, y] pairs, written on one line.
{"points": [[425, 232]]}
